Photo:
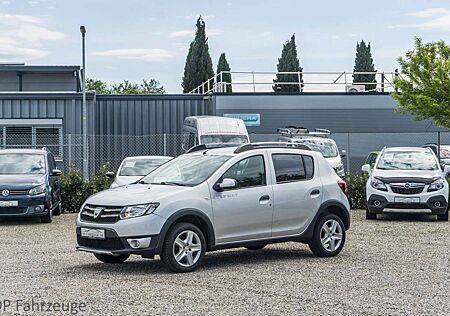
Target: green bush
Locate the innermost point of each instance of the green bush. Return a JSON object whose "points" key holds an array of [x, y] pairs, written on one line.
{"points": [[357, 190], [75, 190]]}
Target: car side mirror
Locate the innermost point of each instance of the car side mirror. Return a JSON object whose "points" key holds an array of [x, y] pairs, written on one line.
{"points": [[226, 184], [446, 170], [343, 154], [56, 172], [366, 168], [110, 174]]}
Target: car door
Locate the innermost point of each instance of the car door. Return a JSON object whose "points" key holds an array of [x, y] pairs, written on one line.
{"points": [[297, 193], [244, 212], [54, 181]]}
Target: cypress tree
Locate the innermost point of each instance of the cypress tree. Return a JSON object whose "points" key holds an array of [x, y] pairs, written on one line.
{"points": [[289, 62], [198, 67], [223, 65], [364, 63]]}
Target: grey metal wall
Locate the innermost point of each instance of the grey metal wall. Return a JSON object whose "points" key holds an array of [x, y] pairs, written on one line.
{"points": [[339, 112], [49, 82]]}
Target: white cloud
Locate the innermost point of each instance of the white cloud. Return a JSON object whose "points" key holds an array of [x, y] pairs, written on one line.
{"points": [[438, 19], [23, 37], [191, 33], [144, 54]]}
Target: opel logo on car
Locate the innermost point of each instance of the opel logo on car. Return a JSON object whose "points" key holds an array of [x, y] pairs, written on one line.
{"points": [[5, 192], [97, 212], [407, 185]]}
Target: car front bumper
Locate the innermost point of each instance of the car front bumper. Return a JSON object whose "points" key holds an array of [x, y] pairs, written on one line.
{"points": [[28, 206], [430, 204]]}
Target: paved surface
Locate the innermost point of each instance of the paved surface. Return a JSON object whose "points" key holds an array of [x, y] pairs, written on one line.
{"points": [[396, 266]]}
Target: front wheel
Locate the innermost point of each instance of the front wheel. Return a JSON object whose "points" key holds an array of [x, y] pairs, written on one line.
{"points": [[184, 248], [47, 218], [443, 217], [329, 236], [370, 215], [110, 258]]}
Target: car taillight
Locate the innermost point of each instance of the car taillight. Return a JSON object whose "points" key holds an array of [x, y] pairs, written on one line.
{"points": [[343, 185]]}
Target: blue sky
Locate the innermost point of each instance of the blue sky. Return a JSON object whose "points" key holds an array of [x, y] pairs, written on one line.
{"points": [[137, 39]]}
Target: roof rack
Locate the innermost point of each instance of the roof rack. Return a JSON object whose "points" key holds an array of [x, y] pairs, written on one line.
{"points": [[253, 146], [210, 146], [298, 131]]}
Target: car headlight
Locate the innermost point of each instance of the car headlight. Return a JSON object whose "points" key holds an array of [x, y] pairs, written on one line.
{"points": [[378, 184], [38, 190], [138, 210], [436, 185], [339, 168]]}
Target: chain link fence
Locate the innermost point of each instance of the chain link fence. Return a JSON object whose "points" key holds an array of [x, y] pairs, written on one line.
{"points": [[112, 149]]}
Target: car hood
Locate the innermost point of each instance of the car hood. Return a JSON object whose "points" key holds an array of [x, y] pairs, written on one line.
{"points": [[14, 181], [334, 161], [134, 194], [407, 174], [124, 180]]}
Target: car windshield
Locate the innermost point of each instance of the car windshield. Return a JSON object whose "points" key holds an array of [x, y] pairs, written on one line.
{"points": [[186, 170], [22, 164], [407, 160], [224, 139], [326, 147], [140, 167]]}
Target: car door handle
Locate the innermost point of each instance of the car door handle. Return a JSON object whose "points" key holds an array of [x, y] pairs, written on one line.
{"points": [[264, 199], [315, 193]]}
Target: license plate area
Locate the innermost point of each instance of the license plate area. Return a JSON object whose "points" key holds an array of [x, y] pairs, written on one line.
{"points": [[9, 203], [93, 233], [407, 200]]}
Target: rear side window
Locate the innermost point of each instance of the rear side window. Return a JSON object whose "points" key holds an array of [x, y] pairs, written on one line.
{"points": [[289, 167]]}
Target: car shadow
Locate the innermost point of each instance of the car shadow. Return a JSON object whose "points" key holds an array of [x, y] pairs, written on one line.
{"points": [[16, 221], [407, 217], [212, 261]]}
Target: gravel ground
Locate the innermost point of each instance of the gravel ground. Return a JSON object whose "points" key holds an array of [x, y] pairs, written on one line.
{"points": [[396, 266]]}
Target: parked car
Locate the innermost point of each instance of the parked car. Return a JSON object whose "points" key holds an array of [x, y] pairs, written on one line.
{"points": [[199, 130], [371, 158], [29, 184], [444, 152], [318, 141], [209, 199], [132, 169], [407, 180]]}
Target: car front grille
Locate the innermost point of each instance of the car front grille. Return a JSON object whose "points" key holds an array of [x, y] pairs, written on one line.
{"points": [[412, 206], [106, 215], [107, 244], [407, 188], [13, 210], [16, 192]]}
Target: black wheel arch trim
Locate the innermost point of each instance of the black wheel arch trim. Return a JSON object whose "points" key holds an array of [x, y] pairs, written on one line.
{"points": [[210, 237]]}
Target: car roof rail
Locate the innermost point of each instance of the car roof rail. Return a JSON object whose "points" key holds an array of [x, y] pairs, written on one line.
{"points": [[267, 145], [210, 146]]}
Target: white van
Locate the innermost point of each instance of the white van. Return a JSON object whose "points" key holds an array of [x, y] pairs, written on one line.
{"points": [[198, 130]]}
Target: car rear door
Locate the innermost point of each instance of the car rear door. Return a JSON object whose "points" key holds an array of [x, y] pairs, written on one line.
{"points": [[245, 212], [297, 191]]}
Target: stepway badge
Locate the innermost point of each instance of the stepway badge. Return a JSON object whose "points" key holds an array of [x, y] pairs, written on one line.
{"points": [[250, 119]]}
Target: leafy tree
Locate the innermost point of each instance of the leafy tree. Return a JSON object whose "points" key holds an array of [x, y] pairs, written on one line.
{"points": [[198, 67], [99, 86], [364, 63], [425, 82], [223, 65], [289, 62]]}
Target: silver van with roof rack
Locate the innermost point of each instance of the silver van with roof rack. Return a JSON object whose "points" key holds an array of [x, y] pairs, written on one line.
{"points": [[216, 197], [319, 140]]}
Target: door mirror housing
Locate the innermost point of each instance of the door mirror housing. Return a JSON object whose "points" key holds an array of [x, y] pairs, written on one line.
{"points": [[56, 172], [226, 184], [366, 168], [110, 174], [343, 154]]}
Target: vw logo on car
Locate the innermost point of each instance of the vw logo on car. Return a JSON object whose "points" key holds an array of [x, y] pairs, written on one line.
{"points": [[5, 193]]}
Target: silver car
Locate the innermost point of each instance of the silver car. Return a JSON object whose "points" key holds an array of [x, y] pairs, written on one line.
{"points": [[134, 168], [209, 199]]}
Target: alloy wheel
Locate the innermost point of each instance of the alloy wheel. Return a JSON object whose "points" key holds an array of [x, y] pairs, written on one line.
{"points": [[187, 248], [331, 235]]}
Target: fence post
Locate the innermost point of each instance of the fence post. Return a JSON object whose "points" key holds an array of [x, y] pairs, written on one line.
{"points": [[348, 152], [382, 82], [165, 144], [299, 82], [253, 76], [69, 143], [439, 147]]}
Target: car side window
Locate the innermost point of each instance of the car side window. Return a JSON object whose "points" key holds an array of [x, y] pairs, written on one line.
{"points": [[249, 172], [292, 167]]}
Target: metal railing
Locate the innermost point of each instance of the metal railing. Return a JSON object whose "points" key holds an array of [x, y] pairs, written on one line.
{"points": [[262, 81]]}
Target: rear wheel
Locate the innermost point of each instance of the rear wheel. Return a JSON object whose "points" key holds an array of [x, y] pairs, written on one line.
{"points": [[110, 258], [443, 217], [256, 247], [329, 236], [184, 248]]}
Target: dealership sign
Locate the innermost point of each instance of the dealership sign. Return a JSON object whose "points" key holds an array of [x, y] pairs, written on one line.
{"points": [[249, 119]]}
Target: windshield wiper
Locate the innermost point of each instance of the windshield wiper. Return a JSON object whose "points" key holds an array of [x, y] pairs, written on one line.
{"points": [[170, 183]]}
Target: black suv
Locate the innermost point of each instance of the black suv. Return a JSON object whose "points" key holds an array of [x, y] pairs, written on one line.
{"points": [[29, 184]]}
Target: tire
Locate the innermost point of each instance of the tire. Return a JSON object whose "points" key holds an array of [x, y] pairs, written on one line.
{"points": [[370, 215], [256, 247], [110, 258], [336, 229], [47, 218], [57, 211], [443, 217], [184, 248]]}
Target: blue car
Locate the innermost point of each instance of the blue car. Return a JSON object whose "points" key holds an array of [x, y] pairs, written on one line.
{"points": [[29, 184]]}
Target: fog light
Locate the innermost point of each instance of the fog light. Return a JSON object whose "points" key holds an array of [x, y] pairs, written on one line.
{"points": [[37, 209], [437, 204], [376, 203], [139, 243]]}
